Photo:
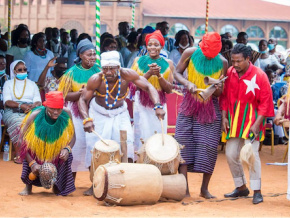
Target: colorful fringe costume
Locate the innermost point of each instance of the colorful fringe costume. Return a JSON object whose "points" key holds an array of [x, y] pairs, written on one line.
{"points": [[141, 67], [43, 140], [145, 120], [198, 124], [72, 81], [198, 68]]}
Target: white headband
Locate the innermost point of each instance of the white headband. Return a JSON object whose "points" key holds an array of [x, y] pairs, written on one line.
{"points": [[110, 58]]}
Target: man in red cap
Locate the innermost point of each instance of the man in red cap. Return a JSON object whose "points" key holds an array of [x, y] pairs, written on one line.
{"points": [[47, 135], [198, 124]]}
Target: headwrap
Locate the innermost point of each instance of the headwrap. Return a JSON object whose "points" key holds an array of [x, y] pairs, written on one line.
{"points": [[12, 66], [54, 99], [148, 29], [155, 35], [211, 44], [83, 46], [110, 58]]}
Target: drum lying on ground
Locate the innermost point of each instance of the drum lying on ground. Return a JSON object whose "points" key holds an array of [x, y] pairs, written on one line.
{"points": [[174, 187], [127, 183], [165, 156], [102, 154]]}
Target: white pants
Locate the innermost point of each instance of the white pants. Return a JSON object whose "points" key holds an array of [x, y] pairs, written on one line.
{"points": [[233, 148]]}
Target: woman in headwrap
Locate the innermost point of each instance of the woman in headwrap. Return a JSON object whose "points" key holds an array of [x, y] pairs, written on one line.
{"points": [[72, 84], [159, 72], [198, 124], [20, 95]]}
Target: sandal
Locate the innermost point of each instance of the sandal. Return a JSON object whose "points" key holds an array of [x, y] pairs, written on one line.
{"points": [[17, 160]]}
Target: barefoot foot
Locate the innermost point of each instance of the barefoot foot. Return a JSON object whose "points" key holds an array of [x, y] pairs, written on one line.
{"points": [[89, 192], [26, 191], [206, 195]]}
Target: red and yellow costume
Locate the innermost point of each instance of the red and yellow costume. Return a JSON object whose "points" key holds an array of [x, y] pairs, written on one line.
{"points": [[244, 99]]}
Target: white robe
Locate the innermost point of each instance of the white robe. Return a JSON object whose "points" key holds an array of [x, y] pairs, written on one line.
{"points": [[108, 124], [79, 148], [146, 122]]}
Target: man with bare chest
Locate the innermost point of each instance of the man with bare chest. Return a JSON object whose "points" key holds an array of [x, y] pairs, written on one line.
{"points": [[103, 105]]}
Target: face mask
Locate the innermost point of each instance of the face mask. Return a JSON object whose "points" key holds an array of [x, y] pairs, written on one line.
{"points": [[165, 36], [23, 40], [271, 46], [183, 47], [21, 76], [59, 73], [263, 52], [2, 72]]}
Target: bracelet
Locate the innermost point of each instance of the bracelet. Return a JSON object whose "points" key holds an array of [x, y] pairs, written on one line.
{"points": [[68, 148], [31, 163], [157, 106], [19, 105], [87, 120]]}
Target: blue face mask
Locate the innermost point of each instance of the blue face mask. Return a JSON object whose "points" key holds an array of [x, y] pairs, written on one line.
{"points": [[271, 46], [2, 72], [21, 76], [263, 52], [165, 36]]}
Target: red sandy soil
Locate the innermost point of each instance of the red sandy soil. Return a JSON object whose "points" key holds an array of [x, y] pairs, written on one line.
{"points": [[43, 203]]}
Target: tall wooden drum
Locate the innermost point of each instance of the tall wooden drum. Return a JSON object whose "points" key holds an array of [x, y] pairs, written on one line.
{"points": [[164, 156], [102, 154]]}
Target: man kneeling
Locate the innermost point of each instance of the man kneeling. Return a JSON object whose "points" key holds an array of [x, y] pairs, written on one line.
{"points": [[47, 136]]}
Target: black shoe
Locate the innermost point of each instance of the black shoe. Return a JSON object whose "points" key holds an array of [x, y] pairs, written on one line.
{"points": [[257, 198], [237, 193]]}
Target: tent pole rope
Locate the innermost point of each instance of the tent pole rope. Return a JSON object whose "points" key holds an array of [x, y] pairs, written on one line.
{"points": [[206, 17]]}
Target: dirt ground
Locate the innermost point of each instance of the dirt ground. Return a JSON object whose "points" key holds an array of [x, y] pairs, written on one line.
{"points": [[43, 203]]}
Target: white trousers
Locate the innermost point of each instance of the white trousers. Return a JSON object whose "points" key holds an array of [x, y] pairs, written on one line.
{"points": [[233, 148]]}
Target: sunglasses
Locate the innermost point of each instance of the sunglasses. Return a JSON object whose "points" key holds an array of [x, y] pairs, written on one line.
{"points": [[21, 70]]}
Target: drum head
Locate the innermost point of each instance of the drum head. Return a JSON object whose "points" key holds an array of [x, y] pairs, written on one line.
{"points": [[160, 153], [100, 183], [111, 147]]}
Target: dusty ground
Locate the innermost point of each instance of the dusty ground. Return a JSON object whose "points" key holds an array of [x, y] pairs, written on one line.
{"points": [[44, 203]]}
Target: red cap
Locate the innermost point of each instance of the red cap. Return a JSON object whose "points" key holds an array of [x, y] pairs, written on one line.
{"points": [[54, 99], [155, 35], [211, 44]]}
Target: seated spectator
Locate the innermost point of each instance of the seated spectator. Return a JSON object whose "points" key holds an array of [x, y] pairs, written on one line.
{"points": [[51, 83], [20, 95], [268, 59], [3, 78], [131, 47], [38, 57], [20, 45], [111, 45]]}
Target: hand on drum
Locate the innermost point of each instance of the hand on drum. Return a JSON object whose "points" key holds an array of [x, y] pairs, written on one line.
{"points": [[35, 168], [89, 126], [160, 113], [191, 87], [64, 154]]}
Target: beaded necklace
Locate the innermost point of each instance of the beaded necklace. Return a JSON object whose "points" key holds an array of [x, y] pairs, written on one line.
{"points": [[22, 90], [42, 56], [108, 92]]}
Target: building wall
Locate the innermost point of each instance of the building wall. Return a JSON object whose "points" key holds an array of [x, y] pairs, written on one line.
{"points": [[39, 14]]}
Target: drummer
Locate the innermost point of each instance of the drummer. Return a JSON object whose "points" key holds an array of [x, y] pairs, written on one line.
{"points": [[107, 113]]}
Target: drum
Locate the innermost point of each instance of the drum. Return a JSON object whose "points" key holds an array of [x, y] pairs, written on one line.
{"points": [[127, 183], [165, 156], [174, 187], [102, 154]]}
